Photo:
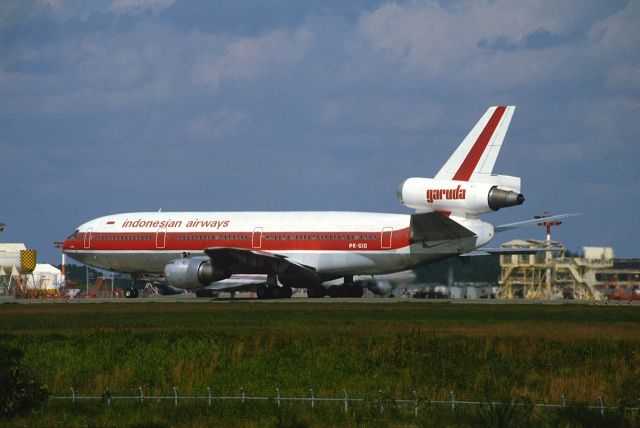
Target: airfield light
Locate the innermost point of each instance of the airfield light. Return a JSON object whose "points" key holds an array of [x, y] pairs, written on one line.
{"points": [[58, 244], [548, 224]]}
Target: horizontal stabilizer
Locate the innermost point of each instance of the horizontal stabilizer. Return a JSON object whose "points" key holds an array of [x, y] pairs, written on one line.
{"points": [[507, 251], [526, 223]]}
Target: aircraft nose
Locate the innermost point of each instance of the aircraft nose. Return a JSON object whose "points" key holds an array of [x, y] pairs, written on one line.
{"points": [[68, 244]]}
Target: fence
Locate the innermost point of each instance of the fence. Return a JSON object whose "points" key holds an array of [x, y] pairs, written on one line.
{"points": [[380, 399]]}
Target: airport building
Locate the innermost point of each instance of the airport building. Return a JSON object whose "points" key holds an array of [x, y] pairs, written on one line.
{"points": [[20, 275], [552, 274]]}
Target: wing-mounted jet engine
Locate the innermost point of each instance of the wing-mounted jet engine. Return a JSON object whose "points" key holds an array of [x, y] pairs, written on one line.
{"points": [[193, 272]]}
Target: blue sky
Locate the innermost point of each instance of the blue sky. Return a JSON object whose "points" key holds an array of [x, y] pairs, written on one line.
{"points": [[132, 105]]}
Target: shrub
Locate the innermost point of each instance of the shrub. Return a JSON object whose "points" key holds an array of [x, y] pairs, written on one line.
{"points": [[19, 393]]}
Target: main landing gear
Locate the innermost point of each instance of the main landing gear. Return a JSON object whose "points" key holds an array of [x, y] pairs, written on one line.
{"points": [[132, 292], [271, 290], [348, 289]]}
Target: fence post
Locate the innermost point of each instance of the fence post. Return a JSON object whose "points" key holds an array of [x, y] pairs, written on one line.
{"points": [[415, 401], [108, 396], [141, 394], [564, 401], [242, 390], [73, 395], [601, 406], [381, 401], [175, 397], [346, 401], [313, 399], [453, 402], [278, 395], [209, 395]]}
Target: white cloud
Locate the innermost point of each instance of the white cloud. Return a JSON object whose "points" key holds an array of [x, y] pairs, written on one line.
{"points": [[498, 45], [217, 124], [249, 57], [625, 78], [133, 7], [619, 33], [375, 113]]}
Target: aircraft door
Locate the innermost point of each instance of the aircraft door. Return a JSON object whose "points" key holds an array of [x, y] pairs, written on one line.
{"points": [[256, 239], [385, 239], [161, 238], [87, 237]]}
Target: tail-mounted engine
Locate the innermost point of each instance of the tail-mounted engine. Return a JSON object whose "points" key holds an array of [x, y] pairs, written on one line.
{"points": [[462, 197], [194, 272]]}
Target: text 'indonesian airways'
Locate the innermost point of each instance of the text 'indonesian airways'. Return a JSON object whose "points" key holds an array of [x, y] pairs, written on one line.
{"points": [[212, 224]]}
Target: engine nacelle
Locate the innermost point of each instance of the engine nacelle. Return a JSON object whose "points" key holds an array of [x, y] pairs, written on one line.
{"points": [[465, 197], [193, 272]]}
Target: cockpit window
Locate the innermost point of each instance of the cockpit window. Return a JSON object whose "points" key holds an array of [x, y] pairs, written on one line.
{"points": [[74, 234]]}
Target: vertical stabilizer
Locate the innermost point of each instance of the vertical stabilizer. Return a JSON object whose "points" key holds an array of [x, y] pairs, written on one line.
{"points": [[477, 153]]}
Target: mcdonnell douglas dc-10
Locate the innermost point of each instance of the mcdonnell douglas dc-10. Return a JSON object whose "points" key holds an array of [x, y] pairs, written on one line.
{"points": [[200, 250]]}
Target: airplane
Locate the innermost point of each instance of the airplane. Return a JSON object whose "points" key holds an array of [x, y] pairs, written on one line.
{"points": [[297, 249]]}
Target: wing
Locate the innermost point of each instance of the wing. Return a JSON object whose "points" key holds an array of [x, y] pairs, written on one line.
{"points": [[240, 260], [434, 229]]}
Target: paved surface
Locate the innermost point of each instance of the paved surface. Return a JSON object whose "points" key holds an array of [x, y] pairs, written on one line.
{"points": [[303, 299]]}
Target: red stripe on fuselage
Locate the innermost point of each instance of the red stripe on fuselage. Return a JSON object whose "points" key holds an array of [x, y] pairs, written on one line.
{"points": [[473, 157], [271, 241]]}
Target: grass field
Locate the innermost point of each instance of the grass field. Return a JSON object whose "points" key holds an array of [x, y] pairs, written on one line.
{"points": [[497, 351]]}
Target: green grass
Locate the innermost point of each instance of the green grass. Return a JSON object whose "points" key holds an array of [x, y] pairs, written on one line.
{"points": [[499, 351]]}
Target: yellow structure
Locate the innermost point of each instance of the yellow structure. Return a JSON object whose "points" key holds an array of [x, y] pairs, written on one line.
{"points": [[551, 275], [28, 260]]}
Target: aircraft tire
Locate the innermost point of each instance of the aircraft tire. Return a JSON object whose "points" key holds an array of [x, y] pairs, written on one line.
{"points": [[315, 292], [131, 293], [335, 291], [263, 293], [356, 291], [286, 292]]}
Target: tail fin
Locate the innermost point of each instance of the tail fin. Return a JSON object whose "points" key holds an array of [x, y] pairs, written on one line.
{"points": [[474, 158]]}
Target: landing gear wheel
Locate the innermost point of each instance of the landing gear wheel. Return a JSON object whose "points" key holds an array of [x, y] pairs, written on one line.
{"points": [[131, 293], [203, 292], [315, 292], [263, 292], [356, 291], [286, 292], [335, 291]]}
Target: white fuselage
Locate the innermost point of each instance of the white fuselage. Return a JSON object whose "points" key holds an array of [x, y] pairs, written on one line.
{"points": [[332, 243]]}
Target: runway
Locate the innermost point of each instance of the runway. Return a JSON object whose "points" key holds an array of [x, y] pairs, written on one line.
{"points": [[190, 298]]}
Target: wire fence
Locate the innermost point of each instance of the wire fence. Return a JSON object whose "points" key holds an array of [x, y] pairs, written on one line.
{"points": [[381, 400]]}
